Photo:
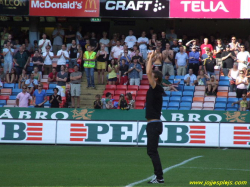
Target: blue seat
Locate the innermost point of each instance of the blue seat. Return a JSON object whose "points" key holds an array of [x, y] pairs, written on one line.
{"points": [[171, 77], [173, 106], [220, 109], [187, 99], [49, 92], [16, 86], [224, 83], [52, 86], [232, 100], [165, 98], [241, 99], [168, 93], [175, 98], [224, 78], [47, 104], [232, 109], [1, 105], [2, 102], [186, 104], [180, 82], [9, 85], [220, 106], [16, 91], [12, 97], [179, 77], [165, 104], [180, 87], [189, 88], [185, 108], [221, 100], [188, 93], [229, 105], [31, 106], [176, 93]]}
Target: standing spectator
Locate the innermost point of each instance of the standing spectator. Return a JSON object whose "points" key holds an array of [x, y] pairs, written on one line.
{"points": [[79, 38], [89, 65], [175, 47], [244, 104], [2, 74], [135, 48], [44, 42], [28, 45], [73, 54], [22, 79], [234, 46], [12, 42], [193, 43], [21, 60], [159, 45], [4, 36], [37, 60], [31, 83], [63, 56], [241, 83], [112, 69], [153, 41], [242, 58], [140, 61], [11, 77], [134, 73], [205, 55], [171, 36], [1, 59], [39, 97], [233, 74], [130, 40], [150, 33], [181, 62], [61, 81], [35, 46], [157, 59], [70, 35], [97, 102], [101, 63], [194, 57], [58, 35], [47, 57], [8, 53], [93, 42], [204, 45], [228, 58], [123, 72], [131, 101], [124, 56], [116, 51], [122, 40], [75, 82], [219, 48], [55, 99], [163, 40], [23, 98], [52, 76], [190, 79], [143, 42], [105, 41], [212, 86], [209, 64]]}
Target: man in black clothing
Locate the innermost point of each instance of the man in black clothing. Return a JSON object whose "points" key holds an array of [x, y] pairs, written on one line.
{"points": [[153, 115], [37, 60], [209, 64], [70, 35], [55, 99], [228, 58], [175, 47], [73, 54], [93, 42], [163, 40]]}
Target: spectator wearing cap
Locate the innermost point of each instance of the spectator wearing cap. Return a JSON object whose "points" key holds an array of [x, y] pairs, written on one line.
{"points": [[168, 57], [171, 36], [242, 58], [219, 48], [233, 74], [180, 43], [206, 45], [58, 35], [181, 62], [209, 64], [190, 79], [194, 57], [212, 86], [108, 98], [191, 44], [44, 42], [228, 58], [241, 83]]}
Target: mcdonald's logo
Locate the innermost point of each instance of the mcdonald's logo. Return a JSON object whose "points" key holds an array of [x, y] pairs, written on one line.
{"points": [[90, 2]]}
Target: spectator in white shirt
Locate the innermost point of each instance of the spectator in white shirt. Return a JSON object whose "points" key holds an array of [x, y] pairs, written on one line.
{"points": [[44, 42], [130, 40], [190, 79], [58, 35], [143, 42], [63, 55], [116, 51], [105, 41], [242, 58], [47, 57]]}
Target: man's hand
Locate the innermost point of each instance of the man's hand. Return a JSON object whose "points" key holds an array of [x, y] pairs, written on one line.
{"points": [[152, 54]]}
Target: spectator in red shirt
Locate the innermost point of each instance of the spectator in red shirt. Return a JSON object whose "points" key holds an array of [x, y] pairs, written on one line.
{"points": [[203, 46], [52, 76]]}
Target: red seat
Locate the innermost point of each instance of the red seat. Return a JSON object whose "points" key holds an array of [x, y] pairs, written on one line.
{"points": [[4, 97], [110, 87], [140, 98], [133, 92], [6, 91], [139, 107], [140, 104], [144, 82], [45, 85], [71, 70], [144, 77], [111, 91], [143, 87], [119, 92], [121, 87], [133, 87], [116, 97], [142, 92]]}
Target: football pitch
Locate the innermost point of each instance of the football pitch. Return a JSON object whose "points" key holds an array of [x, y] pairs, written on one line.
{"points": [[47, 165]]}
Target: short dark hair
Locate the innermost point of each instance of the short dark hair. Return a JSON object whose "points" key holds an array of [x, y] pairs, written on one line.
{"points": [[158, 75], [108, 94], [75, 65], [56, 89], [53, 68]]}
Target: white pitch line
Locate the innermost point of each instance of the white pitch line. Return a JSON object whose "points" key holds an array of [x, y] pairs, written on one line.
{"points": [[218, 168], [164, 171], [224, 149]]}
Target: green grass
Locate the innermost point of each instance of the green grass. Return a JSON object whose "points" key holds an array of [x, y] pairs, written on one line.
{"points": [[38, 165]]}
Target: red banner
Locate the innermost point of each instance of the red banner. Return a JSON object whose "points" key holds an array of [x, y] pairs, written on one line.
{"points": [[205, 9], [66, 8]]}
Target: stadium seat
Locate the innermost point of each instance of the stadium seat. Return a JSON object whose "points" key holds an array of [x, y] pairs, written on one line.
{"points": [[229, 105], [200, 88], [142, 92], [210, 99], [199, 94], [186, 105], [232, 94], [133, 87], [110, 87], [45, 76], [197, 106], [111, 91], [3, 102], [165, 104], [222, 94], [173, 106], [140, 98], [198, 99], [12, 97], [224, 83], [176, 94], [224, 78], [4, 97], [221, 100], [175, 99], [222, 88], [187, 99], [121, 87], [165, 98], [168, 93], [179, 77], [9, 85], [16, 86], [6, 91], [180, 87], [49, 92], [139, 104], [143, 87], [44, 80], [133, 92], [208, 106], [232, 100], [189, 88], [8, 106], [16, 91], [220, 106], [144, 77], [181, 82], [45, 85], [11, 102], [52, 86], [144, 82], [188, 93], [232, 109], [171, 77], [47, 104]]}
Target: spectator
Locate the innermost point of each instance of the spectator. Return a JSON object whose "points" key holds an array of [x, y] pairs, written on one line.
{"points": [[112, 69], [109, 104], [61, 81], [38, 61], [75, 82], [150, 33], [101, 63], [35, 46], [241, 83], [209, 64], [4, 36], [163, 40], [116, 50], [194, 57], [228, 58], [31, 83], [63, 56], [23, 98], [47, 57], [97, 102], [58, 35], [212, 86], [122, 40], [73, 54], [205, 55], [113, 41], [159, 45], [143, 42], [79, 38], [105, 41], [70, 35], [2, 74], [126, 57], [1, 59], [175, 47], [190, 79], [11, 77], [134, 73], [8, 53], [21, 60], [244, 104], [166, 85], [242, 57], [181, 62], [55, 99], [122, 103], [153, 41], [248, 76], [44, 42], [22, 79], [12, 42], [28, 45], [123, 72], [219, 48], [139, 61], [233, 74], [108, 96], [37, 75], [39, 97], [180, 43], [89, 65], [131, 102], [191, 44], [125, 48], [52, 76], [202, 78], [157, 59], [204, 45], [171, 36], [26, 50], [130, 40], [133, 53], [234, 46], [93, 42]]}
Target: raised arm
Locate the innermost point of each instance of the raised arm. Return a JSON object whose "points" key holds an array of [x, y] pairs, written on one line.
{"points": [[149, 70]]}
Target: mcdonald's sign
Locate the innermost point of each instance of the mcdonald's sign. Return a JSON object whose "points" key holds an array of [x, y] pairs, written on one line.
{"points": [[65, 8]]}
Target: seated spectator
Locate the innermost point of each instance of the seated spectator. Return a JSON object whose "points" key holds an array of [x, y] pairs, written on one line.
{"points": [[134, 73], [109, 104], [167, 86], [2, 74], [123, 72], [241, 83], [52, 76], [212, 86], [31, 83], [108, 96], [23, 98], [122, 103], [22, 78], [37, 61], [37, 74], [131, 102], [55, 99], [244, 104], [39, 97], [233, 74], [11, 77], [190, 79], [1, 84], [97, 102], [47, 57], [209, 64], [61, 81], [112, 69], [202, 78]]}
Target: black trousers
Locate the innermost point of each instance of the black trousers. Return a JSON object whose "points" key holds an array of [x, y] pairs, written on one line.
{"points": [[239, 92], [154, 129], [195, 67]]}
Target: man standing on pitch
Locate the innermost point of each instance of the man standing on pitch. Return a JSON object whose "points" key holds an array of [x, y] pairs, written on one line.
{"points": [[153, 114]]}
